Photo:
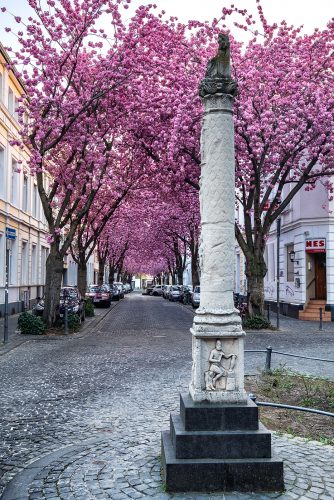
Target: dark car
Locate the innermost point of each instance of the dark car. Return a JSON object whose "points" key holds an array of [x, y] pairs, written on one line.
{"points": [[71, 297], [185, 294], [102, 296], [195, 297]]}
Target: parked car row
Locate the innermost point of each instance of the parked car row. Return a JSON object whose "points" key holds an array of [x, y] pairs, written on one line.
{"points": [[104, 294], [179, 293], [69, 296]]}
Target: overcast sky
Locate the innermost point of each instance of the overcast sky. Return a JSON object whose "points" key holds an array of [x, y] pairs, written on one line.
{"points": [[310, 13]]}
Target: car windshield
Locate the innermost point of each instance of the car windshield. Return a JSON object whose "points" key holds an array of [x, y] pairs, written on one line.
{"points": [[197, 289], [176, 288], [93, 288], [68, 293]]}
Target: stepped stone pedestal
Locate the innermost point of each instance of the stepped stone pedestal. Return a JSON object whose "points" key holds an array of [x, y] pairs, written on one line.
{"points": [[217, 443], [219, 447]]}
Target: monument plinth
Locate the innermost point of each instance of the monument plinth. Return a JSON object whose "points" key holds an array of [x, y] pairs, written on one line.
{"points": [[217, 442]]}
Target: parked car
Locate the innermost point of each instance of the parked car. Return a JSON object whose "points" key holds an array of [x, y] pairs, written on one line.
{"points": [[116, 295], [102, 296], [166, 290], [91, 291], [195, 298], [70, 296], [38, 307], [185, 294], [157, 290], [128, 288], [174, 293], [121, 288]]}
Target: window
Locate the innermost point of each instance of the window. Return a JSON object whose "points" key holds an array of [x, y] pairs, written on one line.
{"points": [[12, 263], [25, 204], [289, 265], [34, 201], [10, 103], [2, 172], [16, 105], [33, 264], [14, 193], [2, 259], [24, 263]]}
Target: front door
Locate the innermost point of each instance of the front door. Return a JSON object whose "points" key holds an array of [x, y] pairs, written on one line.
{"points": [[320, 276]]}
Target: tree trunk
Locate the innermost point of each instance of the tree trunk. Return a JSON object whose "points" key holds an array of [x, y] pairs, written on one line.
{"points": [[100, 279], [180, 276], [53, 281], [256, 270], [194, 265], [111, 273], [82, 276]]}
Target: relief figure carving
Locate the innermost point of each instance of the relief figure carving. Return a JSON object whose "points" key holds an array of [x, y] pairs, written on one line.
{"points": [[216, 369]]}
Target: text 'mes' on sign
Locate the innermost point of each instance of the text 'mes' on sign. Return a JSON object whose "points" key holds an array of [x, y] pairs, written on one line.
{"points": [[315, 245]]}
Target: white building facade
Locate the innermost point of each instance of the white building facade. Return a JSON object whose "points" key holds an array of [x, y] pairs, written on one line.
{"points": [[306, 255]]}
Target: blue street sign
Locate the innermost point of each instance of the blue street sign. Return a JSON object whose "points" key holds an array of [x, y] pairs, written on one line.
{"points": [[10, 233]]}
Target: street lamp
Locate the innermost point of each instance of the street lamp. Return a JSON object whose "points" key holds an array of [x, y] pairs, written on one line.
{"points": [[292, 256]]}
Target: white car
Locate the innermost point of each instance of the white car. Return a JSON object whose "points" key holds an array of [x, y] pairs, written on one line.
{"points": [[195, 298], [174, 293], [157, 290]]}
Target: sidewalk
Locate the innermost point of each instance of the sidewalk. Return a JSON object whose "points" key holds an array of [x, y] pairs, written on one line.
{"points": [[15, 338]]}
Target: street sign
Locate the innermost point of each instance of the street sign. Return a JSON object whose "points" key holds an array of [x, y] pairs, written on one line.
{"points": [[10, 233]]}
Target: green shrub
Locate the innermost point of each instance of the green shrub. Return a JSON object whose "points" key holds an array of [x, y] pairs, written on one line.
{"points": [[89, 308], [28, 323], [256, 322], [73, 322]]}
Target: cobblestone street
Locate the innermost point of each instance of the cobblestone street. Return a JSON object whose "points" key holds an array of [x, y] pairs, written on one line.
{"points": [[82, 415]]}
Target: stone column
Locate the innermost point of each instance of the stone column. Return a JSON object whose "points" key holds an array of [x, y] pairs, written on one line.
{"points": [[216, 318], [215, 444]]}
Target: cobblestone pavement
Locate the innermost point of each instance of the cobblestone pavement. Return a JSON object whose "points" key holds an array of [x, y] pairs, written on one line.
{"points": [[81, 415]]}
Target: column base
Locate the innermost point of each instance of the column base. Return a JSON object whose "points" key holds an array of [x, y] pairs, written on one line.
{"points": [[201, 395], [219, 447]]}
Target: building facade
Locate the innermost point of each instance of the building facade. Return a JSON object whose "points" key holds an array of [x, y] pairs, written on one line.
{"points": [[20, 207], [306, 256]]}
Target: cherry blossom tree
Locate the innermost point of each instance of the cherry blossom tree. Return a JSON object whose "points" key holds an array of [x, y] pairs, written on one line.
{"points": [[283, 122]]}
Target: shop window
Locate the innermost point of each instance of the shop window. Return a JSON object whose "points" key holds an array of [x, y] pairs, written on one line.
{"points": [[290, 274]]}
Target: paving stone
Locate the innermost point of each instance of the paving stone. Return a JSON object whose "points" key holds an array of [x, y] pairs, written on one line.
{"points": [[94, 409]]}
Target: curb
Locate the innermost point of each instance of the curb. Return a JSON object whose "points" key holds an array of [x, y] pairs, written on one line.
{"points": [[86, 329]]}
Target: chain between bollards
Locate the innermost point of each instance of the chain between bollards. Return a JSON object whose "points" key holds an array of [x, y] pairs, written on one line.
{"points": [[267, 367]]}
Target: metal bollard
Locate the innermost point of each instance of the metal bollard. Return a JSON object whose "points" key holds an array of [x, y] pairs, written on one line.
{"points": [[320, 325], [65, 319], [267, 367], [268, 312], [252, 397]]}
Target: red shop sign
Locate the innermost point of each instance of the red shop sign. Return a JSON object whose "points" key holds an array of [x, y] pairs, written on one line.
{"points": [[316, 245]]}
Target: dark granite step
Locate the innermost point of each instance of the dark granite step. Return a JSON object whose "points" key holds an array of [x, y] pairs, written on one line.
{"points": [[217, 417], [251, 475], [219, 444]]}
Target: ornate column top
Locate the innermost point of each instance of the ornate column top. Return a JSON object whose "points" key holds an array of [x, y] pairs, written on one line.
{"points": [[217, 78]]}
